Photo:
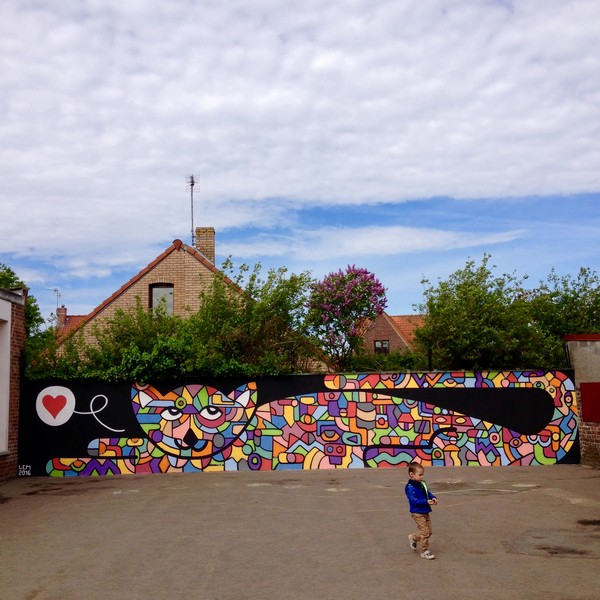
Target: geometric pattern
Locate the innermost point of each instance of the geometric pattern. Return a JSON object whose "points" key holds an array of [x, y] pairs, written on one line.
{"points": [[375, 420]]}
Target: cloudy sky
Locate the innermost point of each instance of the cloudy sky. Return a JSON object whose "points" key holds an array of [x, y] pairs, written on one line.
{"points": [[401, 136]]}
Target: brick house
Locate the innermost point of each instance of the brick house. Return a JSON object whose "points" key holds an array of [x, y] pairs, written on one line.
{"points": [[392, 333], [12, 342], [177, 276]]}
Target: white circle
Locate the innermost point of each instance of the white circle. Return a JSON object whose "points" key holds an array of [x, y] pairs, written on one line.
{"points": [[55, 405]]}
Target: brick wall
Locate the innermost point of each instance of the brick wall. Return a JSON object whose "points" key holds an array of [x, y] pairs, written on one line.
{"points": [[8, 461], [589, 438], [584, 351]]}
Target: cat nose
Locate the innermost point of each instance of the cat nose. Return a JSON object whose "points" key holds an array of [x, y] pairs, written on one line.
{"points": [[190, 438]]}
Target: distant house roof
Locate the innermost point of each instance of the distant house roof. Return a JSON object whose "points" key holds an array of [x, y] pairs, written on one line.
{"points": [[406, 325], [74, 322], [398, 330]]}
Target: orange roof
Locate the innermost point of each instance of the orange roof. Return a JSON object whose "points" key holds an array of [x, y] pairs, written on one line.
{"points": [[73, 323], [406, 325], [79, 320]]}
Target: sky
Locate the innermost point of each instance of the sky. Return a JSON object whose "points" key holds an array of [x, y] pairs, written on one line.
{"points": [[406, 138]]}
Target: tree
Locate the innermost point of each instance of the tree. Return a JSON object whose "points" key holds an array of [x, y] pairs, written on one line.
{"points": [[134, 344], [246, 326], [33, 316], [567, 304], [340, 308], [476, 320], [397, 361], [250, 325]]}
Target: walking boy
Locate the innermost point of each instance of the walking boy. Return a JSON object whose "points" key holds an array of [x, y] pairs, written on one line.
{"points": [[420, 500]]}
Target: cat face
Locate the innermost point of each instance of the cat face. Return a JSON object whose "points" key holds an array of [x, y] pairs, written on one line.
{"points": [[193, 421]]}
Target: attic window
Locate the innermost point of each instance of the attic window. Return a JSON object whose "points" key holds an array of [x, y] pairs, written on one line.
{"points": [[162, 293], [381, 346]]}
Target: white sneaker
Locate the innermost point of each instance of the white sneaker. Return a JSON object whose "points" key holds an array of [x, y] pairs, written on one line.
{"points": [[427, 555], [411, 541]]}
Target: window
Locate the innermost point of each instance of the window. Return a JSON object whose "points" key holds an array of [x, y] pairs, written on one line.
{"points": [[382, 346], [162, 293]]}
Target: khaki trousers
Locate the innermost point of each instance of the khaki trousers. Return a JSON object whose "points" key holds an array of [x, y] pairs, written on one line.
{"points": [[423, 522]]}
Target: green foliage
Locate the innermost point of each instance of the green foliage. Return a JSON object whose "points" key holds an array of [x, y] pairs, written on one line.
{"points": [[136, 344], [340, 308], [33, 316], [393, 362], [564, 305], [250, 325], [469, 319], [132, 345], [43, 358], [246, 326], [477, 320]]}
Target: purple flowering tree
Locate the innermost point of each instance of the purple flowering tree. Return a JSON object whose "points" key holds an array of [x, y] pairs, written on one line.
{"points": [[340, 308]]}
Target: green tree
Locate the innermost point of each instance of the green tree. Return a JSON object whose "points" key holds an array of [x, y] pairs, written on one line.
{"points": [[340, 308], [246, 325], [251, 325], [33, 316], [135, 344], [44, 358], [397, 361], [477, 320], [568, 304]]}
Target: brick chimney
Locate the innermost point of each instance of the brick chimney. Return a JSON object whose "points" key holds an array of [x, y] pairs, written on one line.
{"points": [[205, 242], [61, 317]]}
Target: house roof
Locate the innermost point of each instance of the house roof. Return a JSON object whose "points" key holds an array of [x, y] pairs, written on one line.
{"points": [[74, 322], [406, 325]]}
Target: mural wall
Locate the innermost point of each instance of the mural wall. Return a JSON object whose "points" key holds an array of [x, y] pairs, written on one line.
{"points": [[299, 422]]}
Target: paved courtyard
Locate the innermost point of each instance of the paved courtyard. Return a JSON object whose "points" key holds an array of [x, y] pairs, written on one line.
{"points": [[522, 532]]}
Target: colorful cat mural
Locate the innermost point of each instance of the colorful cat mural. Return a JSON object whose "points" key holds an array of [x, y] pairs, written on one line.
{"points": [[359, 420]]}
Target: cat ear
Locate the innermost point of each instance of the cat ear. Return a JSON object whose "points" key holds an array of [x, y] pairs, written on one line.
{"points": [[144, 399], [243, 398]]}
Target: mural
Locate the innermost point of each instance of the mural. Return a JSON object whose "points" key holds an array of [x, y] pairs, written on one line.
{"points": [[302, 422]]}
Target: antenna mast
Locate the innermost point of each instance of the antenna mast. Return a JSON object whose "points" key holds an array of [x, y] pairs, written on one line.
{"points": [[57, 292], [191, 184]]}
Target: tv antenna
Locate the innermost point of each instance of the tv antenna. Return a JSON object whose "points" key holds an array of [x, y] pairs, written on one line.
{"points": [[191, 183], [57, 292]]}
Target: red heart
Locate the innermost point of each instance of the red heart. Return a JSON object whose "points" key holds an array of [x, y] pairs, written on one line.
{"points": [[54, 404]]}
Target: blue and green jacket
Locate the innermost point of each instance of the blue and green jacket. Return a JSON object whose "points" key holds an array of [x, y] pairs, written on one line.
{"points": [[418, 494]]}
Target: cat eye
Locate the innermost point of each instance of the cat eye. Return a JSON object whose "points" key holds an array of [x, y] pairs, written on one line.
{"points": [[210, 413], [171, 414]]}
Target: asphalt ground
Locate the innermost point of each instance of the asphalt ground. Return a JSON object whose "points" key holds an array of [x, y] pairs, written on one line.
{"points": [[498, 532]]}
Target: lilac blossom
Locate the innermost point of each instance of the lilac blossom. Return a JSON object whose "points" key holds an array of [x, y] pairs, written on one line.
{"points": [[341, 307]]}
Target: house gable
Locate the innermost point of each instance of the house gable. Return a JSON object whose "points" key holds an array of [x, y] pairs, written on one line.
{"points": [[398, 332], [180, 265]]}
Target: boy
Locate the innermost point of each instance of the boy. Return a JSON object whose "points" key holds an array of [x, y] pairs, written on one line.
{"points": [[420, 500]]}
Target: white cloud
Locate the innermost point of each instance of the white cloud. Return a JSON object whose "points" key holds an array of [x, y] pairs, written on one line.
{"points": [[332, 243], [106, 106]]}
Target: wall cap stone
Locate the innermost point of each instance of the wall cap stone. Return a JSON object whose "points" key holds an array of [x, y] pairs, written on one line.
{"points": [[14, 296]]}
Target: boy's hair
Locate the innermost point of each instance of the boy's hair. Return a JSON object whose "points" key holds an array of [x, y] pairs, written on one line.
{"points": [[414, 467]]}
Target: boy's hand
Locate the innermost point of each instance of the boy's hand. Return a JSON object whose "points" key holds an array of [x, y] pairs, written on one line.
{"points": [[432, 501]]}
